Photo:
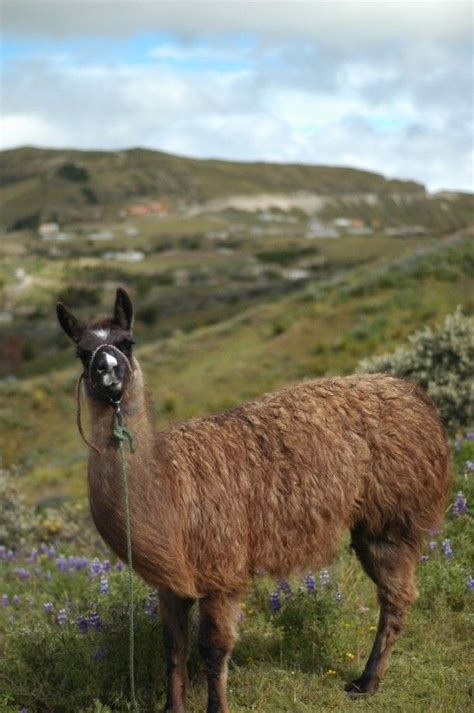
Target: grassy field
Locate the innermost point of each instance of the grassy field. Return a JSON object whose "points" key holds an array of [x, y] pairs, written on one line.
{"points": [[230, 304], [64, 615]]}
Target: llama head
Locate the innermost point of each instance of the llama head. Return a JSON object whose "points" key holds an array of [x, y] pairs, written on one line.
{"points": [[104, 348]]}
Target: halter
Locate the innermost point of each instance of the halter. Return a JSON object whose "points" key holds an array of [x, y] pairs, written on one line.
{"points": [[114, 402]]}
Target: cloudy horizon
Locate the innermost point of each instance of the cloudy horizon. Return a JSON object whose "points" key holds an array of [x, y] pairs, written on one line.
{"points": [[380, 86]]}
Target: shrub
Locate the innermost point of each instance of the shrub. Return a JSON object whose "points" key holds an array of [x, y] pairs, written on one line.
{"points": [[18, 524], [442, 362]]}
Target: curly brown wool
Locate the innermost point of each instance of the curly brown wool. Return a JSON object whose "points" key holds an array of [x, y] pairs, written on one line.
{"points": [[270, 485]]}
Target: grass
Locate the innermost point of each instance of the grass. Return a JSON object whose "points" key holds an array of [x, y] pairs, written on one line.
{"points": [[295, 659]]}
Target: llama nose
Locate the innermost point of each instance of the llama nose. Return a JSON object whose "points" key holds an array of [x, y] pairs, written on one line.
{"points": [[107, 367]]}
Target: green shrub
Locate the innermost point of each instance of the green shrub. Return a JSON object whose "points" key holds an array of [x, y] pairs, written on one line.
{"points": [[442, 362]]}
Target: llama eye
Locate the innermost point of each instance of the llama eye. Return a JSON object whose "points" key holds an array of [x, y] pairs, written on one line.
{"points": [[125, 346]]}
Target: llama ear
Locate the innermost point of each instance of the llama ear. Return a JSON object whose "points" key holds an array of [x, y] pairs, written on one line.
{"points": [[123, 310], [73, 327]]}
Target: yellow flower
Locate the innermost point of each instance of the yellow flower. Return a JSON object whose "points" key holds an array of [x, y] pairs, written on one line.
{"points": [[330, 672], [372, 628], [349, 656]]}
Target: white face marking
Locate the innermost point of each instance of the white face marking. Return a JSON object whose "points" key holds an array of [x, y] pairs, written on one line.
{"points": [[107, 379], [101, 333], [111, 361]]}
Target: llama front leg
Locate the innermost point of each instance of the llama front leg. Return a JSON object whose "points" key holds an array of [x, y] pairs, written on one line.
{"points": [[218, 616], [174, 615]]}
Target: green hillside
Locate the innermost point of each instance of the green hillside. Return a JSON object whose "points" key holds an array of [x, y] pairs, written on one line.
{"points": [[44, 184]]}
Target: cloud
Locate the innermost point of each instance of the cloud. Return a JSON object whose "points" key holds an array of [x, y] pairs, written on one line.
{"points": [[389, 91]]}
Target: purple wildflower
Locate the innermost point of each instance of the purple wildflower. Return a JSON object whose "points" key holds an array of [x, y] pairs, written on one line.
{"points": [[285, 588], [324, 578], [469, 436], [275, 604], [5, 600], [424, 559], [33, 556], [119, 566], [52, 552], [460, 505], [310, 583], [95, 568], [43, 548], [95, 621], [470, 583], [104, 585], [432, 545], [61, 563], [10, 556], [61, 617], [16, 600], [83, 624], [106, 566], [22, 573], [99, 654], [469, 465], [48, 607], [447, 549], [151, 608]]}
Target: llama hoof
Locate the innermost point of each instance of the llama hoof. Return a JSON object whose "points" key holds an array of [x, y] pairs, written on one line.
{"points": [[362, 686]]}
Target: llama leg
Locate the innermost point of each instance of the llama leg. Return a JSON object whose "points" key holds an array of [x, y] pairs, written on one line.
{"points": [[174, 615], [392, 568], [218, 615]]}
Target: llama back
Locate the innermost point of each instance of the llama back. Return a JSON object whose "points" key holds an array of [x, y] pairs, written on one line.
{"points": [[305, 464]]}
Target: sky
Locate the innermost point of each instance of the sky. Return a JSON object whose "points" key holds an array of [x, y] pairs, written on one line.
{"points": [[383, 86]]}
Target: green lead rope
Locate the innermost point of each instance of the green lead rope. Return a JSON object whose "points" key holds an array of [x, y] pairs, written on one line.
{"points": [[123, 435]]}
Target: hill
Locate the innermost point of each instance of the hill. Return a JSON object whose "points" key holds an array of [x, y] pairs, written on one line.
{"points": [[68, 185]]}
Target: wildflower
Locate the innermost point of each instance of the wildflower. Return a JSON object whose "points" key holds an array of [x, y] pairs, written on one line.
{"points": [[432, 545], [349, 656], [10, 556], [99, 654], [470, 583], [324, 578], [469, 436], [48, 607], [83, 624], [52, 551], [16, 600], [447, 549], [5, 600], [330, 672], [104, 585], [310, 583], [285, 588], [22, 573], [460, 505], [119, 566], [469, 465], [95, 568], [43, 548], [338, 596], [61, 563], [424, 559], [372, 628], [106, 566], [33, 556], [61, 617], [95, 621], [151, 608], [275, 604]]}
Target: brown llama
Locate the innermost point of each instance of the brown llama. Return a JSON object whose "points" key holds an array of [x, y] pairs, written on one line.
{"points": [[269, 485]]}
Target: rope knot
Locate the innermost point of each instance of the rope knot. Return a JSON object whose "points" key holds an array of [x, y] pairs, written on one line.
{"points": [[121, 432]]}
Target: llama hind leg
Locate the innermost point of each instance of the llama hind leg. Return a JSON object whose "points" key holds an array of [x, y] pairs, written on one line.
{"points": [[174, 615], [392, 567], [218, 616]]}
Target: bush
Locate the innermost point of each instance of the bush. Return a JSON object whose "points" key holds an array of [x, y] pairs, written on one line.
{"points": [[18, 524], [442, 362]]}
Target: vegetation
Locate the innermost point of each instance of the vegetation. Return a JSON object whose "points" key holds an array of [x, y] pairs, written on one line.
{"points": [[442, 362], [230, 303]]}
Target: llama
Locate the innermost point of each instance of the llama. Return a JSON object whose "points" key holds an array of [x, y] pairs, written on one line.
{"points": [[269, 485]]}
